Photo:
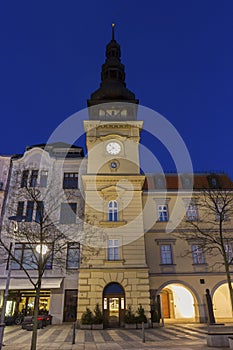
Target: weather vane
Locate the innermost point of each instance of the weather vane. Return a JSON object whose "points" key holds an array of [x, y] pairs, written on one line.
{"points": [[113, 33]]}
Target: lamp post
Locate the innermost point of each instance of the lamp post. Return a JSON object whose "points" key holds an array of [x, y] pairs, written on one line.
{"points": [[15, 220]]}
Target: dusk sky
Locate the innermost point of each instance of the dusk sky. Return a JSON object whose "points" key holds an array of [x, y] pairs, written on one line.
{"points": [[178, 56]]}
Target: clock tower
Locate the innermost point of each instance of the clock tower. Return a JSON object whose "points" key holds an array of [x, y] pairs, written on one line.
{"points": [[113, 271]]}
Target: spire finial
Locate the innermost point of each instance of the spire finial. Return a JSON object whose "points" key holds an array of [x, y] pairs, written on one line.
{"points": [[113, 31]]}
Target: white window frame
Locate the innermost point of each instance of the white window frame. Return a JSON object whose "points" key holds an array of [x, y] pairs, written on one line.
{"points": [[229, 251], [113, 211], [166, 255], [113, 250], [197, 254], [163, 214], [191, 212]]}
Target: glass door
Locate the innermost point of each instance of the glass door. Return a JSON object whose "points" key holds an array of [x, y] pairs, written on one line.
{"points": [[113, 317]]}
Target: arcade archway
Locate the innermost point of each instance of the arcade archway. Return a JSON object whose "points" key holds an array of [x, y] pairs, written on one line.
{"points": [[178, 303], [222, 303]]}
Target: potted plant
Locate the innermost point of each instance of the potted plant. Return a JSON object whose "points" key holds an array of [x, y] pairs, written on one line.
{"points": [[98, 318], [87, 319], [141, 317], [130, 319]]}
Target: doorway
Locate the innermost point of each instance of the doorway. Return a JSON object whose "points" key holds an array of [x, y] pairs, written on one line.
{"points": [[178, 303], [70, 306], [113, 305]]}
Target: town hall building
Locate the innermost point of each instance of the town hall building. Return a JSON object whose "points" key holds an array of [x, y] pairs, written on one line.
{"points": [[126, 256]]}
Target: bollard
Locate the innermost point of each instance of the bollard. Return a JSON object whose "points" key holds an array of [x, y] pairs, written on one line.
{"points": [[143, 333], [74, 330]]}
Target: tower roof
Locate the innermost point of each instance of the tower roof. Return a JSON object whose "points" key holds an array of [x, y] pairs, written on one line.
{"points": [[112, 86]]}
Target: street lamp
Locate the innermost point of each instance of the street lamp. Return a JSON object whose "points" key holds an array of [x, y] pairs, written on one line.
{"points": [[15, 220], [41, 249]]}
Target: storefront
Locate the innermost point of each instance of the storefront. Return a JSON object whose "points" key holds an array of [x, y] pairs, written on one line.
{"points": [[21, 297], [23, 302]]}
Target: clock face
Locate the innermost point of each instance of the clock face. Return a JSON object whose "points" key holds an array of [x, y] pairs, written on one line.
{"points": [[113, 148]]}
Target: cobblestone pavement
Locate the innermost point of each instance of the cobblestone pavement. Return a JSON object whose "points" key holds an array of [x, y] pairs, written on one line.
{"points": [[59, 337]]}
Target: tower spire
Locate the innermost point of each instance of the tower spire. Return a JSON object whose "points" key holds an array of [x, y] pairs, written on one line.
{"points": [[113, 86]]}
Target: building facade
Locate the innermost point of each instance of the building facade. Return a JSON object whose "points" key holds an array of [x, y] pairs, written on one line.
{"points": [[125, 255], [53, 173]]}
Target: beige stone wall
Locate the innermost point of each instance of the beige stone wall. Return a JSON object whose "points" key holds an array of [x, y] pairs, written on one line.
{"points": [[92, 282]]}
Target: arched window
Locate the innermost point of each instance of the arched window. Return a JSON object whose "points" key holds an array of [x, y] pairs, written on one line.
{"points": [[112, 211]]}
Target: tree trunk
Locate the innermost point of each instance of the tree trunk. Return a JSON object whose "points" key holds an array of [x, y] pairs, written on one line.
{"points": [[35, 321]]}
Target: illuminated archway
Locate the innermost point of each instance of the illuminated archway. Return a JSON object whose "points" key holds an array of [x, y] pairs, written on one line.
{"points": [[222, 302], [178, 302]]}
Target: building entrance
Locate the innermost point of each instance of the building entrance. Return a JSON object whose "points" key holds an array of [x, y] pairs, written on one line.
{"points": [[113, 305]]}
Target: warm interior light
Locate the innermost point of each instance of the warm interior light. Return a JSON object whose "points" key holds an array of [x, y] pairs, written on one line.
{"points": [[184, 302]]}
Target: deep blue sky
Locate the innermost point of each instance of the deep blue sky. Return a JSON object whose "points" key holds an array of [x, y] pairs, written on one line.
{"points": [[178, 56]]}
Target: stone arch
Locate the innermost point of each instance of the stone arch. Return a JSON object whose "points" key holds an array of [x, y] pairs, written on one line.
{"points": [[113, 304], [221, 301], [179, 301]]}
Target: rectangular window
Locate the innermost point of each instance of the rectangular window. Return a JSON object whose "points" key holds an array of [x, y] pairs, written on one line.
{"points": [[18, 255], [43, 178], [162, 213], [198, 254], [68, 213], [191, 212], [166, 254], [24, 180], [113, 211], [113, 249], [33, 178], [20, 209], [49, 261], [70, 180], [229, 252], [220, 213], [39, 212], [73, 255], [27, 256], [29, 211]]}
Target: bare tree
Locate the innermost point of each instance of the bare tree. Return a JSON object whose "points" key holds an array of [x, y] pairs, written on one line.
{"points": [[44, 241], [213, 231]]}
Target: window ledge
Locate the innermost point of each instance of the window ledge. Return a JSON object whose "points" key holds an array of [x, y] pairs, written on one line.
{"points": [[112, 223], [200, 264], [167, 264], [116, 262]]}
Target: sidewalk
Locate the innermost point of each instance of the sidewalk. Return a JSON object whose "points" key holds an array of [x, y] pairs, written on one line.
{"points": [[59, 337]]}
